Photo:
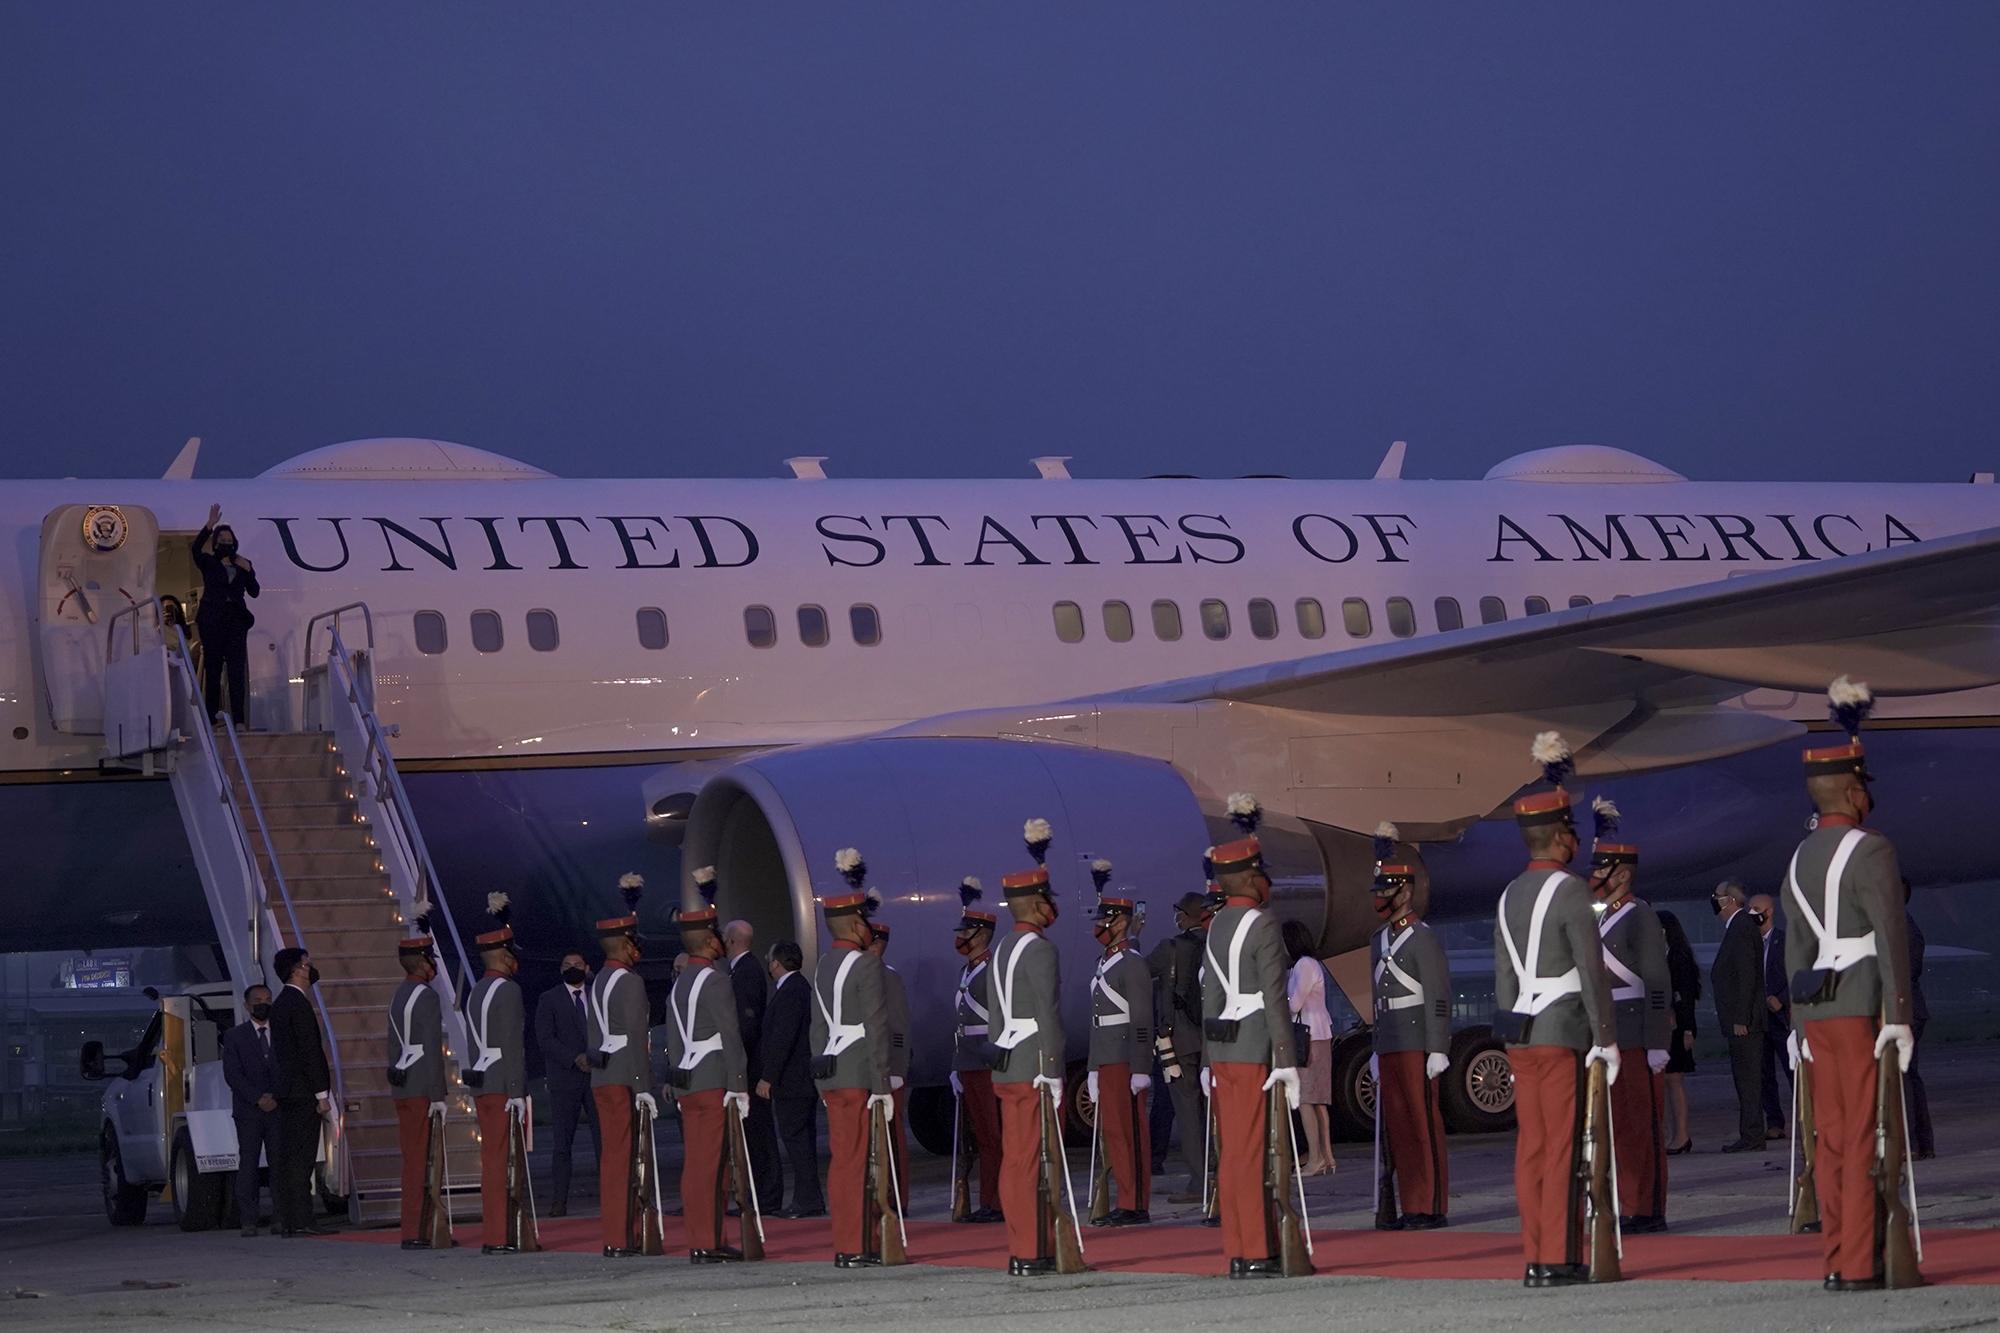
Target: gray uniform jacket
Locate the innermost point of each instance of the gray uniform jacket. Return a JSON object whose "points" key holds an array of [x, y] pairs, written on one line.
{"points": [[1873, 985], [1412, 990], [1176, 964], [1582, 1018], [849, 992], [618, 1029], [1029, 1022], [1262, 1009], [1635, 959], [497, 1022], [715, 1057], [416, 1042], [968, 1045], [1121, 1012], [897, 997]]}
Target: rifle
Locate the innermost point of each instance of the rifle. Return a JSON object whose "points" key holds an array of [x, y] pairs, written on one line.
{"points": [[1388, 1217], [1899, 1240], [1100, 1168], [961, 1164], [1281, 1162], [434, 1222], [643, 1186], [1050, 1200], [1802, 1154], [736, 1155], [522, 1233], [1599, 1181], [882, 1193], [1211, 1197]]}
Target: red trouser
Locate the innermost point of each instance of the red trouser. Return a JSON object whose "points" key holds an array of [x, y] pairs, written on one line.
{"points": [[847, 1168], [492, 1109], [614, 1162], [1548, 1103], [1414, 1122], [1020, 1144], [1637, 1104], [899, 1143], [982, 1114], [701, 1167], [1843, 1073], [413, 1136], [1127, 1135], [1241, 1125]]}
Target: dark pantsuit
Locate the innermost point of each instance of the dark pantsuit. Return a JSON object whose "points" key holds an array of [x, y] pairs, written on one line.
{"points": [[1548, 1104], [1923, 1140], [255, 1132], [1746, 1069], [798, 1129], [1638, 1101], [569, 1102], [292, 1164], [225, 654], [1777, 1115], [1414, 1122], [760, 1134]]}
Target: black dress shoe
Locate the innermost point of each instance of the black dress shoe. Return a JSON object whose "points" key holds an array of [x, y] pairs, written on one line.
{"points": [[1256, 1268], [1744, 1145], [1105, 1221], [1130, 1217], [499, 1249], [857, 1261], [794, 1214], [727, 1254], [1924, 1154], [408, 1244], [1538, 1275], [1392, 1223], [1835, 1282], [1211, 1221], [1810, 1229], [1687, 1146], [1424, 1221], [1030, 1267], [985, 1215], [620, 1252], [560, 1210]]}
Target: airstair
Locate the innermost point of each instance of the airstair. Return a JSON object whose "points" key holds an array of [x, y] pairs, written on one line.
{"points": [[306, 838]]}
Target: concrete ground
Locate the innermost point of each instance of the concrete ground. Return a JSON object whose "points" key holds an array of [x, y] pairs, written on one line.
{"points": [[64, 1268]]}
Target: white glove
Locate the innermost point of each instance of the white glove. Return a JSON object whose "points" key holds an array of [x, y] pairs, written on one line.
{"points": [[883, 1100], [1606, 1056], [1289, 1080], [957, 1084], [437, 1108], [1090, 1084], [1656, 1061], [1207, 1082], [740, 1101], [1906, 1043], [895, 1082], [1797, 1048], [1054, 1085], [1436, 1063], [517, 1106], [644, 1102], [1141, 1083]]}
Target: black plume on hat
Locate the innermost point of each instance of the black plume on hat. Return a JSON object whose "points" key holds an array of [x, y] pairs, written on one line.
{"points": [[1100, 874], [1037, 835], [1385, 841], [969, 891], [1605, 811], [500, 907], [631, 887], [1552, 752], [423, 919], [706, 883], [1849, 703], [1245, 812]]}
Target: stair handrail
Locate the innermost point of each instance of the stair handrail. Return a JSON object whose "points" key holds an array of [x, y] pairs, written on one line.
{"points": [[333, 616], [380, 766]]}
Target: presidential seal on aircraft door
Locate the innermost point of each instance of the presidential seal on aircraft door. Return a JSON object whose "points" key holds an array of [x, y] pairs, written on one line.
{"points": [[104, 528]]}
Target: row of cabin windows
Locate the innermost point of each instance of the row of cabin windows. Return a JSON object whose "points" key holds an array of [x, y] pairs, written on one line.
{"points": [[1356, 617], [760, 627]]}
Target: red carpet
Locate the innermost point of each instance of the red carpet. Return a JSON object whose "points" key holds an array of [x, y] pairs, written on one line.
{"points": [[1950, 1256]]}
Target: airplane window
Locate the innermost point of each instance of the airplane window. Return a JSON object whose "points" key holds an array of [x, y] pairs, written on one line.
{"points": [[486, 635], [866, 624], [430, 632], [1312, 618], [1535, 606], [1069, 622], [1117, 622], [1402, 617], [812, 626], [760, 626], [1215, 618], [1492, 610], [1578, 600], [1354, 613], [1166, 620], [1263, 618], [542, 631], [652, 628], [1448, 614]]}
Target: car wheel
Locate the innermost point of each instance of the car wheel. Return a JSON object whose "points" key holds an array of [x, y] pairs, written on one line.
{"points": [[1079, 1112], [124, 1203], [932, 1111], [1479, 1086], [197, 1196], [1353, 1087]]}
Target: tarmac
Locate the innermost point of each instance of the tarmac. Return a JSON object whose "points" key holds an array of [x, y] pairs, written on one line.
{"points": [[62, 1267]]}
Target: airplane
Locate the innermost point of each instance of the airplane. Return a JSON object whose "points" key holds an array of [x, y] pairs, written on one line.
{"points": [[588, 677]]}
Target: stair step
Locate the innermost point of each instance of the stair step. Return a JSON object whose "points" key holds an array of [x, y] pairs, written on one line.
{"points": [[274, 792], [258, 744], [302, 814], [323, 921], [364, 861], [277, 767], [346, 836], [308, 885]]}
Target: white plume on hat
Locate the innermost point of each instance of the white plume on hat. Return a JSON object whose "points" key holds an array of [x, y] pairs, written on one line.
{"points": [[972, 882], [1549, 748], [846, 859], [1846, 693], [1101, 866], [705, 875], [1387, 830], [631, 879], [1604, 807], [1242, 803], [496, 902], [874, 895], [1037, 830]]}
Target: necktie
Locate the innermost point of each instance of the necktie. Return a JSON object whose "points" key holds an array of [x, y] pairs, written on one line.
{"points": [[582, 1022]]}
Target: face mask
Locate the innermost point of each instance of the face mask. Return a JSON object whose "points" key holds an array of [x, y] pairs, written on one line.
{"points": [[1055, 910], [1385, 905], [260, 1012], [312, 977], [573, 975], [963, 944], [1759, 917], [1715, 904], [1102, 934]]}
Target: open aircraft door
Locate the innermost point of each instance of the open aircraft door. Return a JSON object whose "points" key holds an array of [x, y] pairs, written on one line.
{"points": [[96, 560]]}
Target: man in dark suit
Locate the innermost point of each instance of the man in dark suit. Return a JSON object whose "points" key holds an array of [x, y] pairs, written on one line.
{"points": [[251, 1071], [1777, 1016], [787, 1086], [560, 1033], [1738, 980], [303, 1091], [746, 973]]}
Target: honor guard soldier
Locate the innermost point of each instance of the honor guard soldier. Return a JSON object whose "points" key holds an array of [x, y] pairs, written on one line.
{"points": [[1121, 1055], [897, 996], [710, 1076], [971, 1080], [1024, 986], [1247, 1026], [1412, 1035], [1847, 952], [1635, 956], [618, 1076], [496, 1021], [1176, 966], [417, 1084], [850, 1042], [1554, 1013]]}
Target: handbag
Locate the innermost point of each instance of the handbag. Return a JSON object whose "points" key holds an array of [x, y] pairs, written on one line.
{"points": [[1302, 1044]]}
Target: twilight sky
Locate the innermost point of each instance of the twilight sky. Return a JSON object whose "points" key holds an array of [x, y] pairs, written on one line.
{"points": [[931, 239]]}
